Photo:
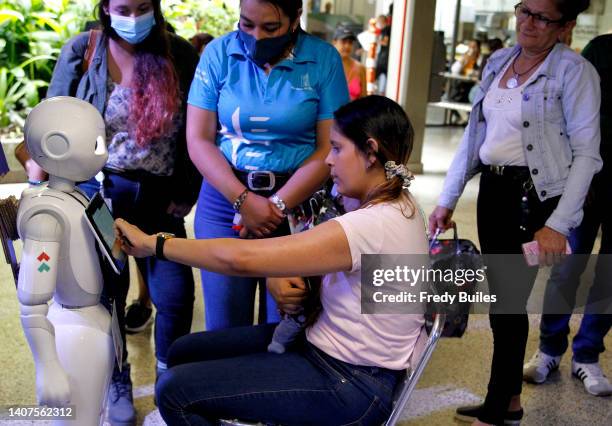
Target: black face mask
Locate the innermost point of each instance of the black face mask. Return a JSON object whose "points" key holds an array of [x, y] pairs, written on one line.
{"points": [[265, 50]]}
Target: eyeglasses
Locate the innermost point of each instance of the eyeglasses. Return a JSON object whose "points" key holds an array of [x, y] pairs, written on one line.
{"points": [[522, 13]]}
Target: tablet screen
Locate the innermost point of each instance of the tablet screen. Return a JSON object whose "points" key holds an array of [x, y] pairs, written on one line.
{"points": [[101, 221]]}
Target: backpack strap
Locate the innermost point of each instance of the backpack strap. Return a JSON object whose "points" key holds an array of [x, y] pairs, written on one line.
{"points": [[91, 49]]}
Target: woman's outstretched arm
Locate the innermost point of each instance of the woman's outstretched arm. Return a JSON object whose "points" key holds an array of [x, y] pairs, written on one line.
{"points": [[318, 251]]}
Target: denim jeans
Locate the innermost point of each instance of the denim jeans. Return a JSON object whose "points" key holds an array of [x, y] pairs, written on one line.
{"points": [[228, 300], [565, 280], [229, 374], [143, 202]]}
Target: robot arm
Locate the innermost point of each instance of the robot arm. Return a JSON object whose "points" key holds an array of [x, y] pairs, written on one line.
{"points": [[42, 234]]}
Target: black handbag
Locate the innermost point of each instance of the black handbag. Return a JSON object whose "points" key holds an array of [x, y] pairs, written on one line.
{"points": [[452, 255], [8, 232], [323, 205]]}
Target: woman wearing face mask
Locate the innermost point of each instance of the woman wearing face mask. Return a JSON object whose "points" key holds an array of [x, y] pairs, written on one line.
{"points": [[258, 120], [138, 76]]}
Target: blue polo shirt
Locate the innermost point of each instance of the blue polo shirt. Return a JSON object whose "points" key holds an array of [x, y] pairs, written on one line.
{"points": [[268, 122]]}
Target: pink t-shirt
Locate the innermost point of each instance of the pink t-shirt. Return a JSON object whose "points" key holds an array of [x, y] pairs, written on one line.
{"points": [[341, 330]]}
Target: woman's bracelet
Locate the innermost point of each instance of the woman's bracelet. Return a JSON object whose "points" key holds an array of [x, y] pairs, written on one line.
{"points": [[240, 200]]}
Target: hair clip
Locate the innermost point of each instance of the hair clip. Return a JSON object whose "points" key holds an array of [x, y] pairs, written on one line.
{"points": [[392, 169]]}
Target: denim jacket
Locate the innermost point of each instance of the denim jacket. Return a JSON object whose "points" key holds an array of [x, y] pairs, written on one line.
{"points": [[560, 133], [69, 80]]}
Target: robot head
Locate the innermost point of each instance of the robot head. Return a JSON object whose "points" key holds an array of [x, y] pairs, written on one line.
{"points": [[66, 137]]}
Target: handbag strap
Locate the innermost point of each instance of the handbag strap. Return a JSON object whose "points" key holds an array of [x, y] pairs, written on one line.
{"points": [[91, 49], [439, 231]]}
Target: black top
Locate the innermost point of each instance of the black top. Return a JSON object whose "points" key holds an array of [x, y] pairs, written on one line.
{"points": [[599, 52], [382, 62]]}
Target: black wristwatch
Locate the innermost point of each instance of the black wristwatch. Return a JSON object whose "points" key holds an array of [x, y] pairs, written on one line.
{"points": [[159, 245]]}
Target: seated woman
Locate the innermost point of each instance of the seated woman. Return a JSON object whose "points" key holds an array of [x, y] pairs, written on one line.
{"points": [[347, 364]]}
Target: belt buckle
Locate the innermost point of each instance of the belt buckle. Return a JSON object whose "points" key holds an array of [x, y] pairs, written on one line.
{"points": [[498, 170], [255, 174]]}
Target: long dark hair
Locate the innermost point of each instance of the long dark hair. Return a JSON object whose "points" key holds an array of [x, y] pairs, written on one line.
{"points": [[379, 118], [290, 8], [155, 84]]}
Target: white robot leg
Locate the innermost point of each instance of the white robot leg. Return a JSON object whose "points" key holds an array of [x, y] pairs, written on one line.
{"points": [[85, 349]]}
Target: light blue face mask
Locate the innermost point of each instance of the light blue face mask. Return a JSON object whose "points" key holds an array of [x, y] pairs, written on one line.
{"points": [[133, 30]]}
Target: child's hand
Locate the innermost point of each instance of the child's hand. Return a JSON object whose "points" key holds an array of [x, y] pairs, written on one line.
{"points": [[289, 293]]}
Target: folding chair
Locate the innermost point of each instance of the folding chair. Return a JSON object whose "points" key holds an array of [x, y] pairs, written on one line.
{"points": [[419, 359], [405, 388], [8, 232]]}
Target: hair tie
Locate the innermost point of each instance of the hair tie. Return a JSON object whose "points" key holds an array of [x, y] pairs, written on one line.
{"points": [[392, 169]]}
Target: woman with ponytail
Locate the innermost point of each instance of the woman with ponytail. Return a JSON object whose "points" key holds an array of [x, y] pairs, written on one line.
{"points": [[344, 368], [138, 75]]}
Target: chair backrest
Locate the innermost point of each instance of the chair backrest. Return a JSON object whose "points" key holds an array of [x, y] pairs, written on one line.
{"points": [[421, 357], [8, 232]]}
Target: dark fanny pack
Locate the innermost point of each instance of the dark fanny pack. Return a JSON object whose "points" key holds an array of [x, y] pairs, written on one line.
{"points": [[263, 181]]}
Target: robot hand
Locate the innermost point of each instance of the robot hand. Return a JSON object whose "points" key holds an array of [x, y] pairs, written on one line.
{"points": [[52, 384]]}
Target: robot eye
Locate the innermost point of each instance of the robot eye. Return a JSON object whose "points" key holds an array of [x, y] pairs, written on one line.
{"points": [[100, 145]]}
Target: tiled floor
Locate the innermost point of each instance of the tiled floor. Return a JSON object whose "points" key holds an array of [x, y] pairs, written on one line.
{"points": [[457, 373]]}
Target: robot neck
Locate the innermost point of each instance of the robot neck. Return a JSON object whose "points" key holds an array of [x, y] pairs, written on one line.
{"points": [[60, 184]]}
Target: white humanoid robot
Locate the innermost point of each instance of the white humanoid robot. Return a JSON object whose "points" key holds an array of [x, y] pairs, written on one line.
{"points": [[70, 339]]}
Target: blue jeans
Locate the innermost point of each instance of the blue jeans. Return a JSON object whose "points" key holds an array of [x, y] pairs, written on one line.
{"points": [[229, 374], [143, 202], [565, 280], [228, 300]]}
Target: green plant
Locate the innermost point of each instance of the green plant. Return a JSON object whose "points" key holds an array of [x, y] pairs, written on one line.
{"points": [[32, 28], [32, 33], [18, 93], [189, 17]]}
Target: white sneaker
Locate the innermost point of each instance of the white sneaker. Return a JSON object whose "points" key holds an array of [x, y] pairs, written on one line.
{"points": [[539, 367], [594, 380]]}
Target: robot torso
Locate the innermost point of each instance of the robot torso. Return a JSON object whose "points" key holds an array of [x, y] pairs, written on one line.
{"points": [[79, 278]]}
